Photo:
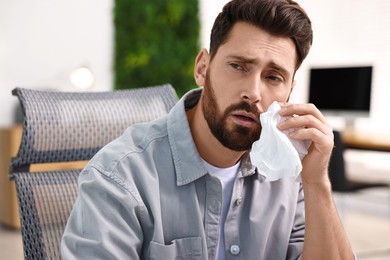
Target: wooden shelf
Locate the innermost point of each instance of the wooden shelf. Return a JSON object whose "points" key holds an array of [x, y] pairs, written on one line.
{"points": [[9, 145], [366, 140], [10, 141]]}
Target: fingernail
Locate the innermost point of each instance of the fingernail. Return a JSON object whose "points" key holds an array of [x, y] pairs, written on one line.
{"points": [[283, 108], [280, 124]]}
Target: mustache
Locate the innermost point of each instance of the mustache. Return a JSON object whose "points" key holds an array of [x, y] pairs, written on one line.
{"points": [[244, 106]]}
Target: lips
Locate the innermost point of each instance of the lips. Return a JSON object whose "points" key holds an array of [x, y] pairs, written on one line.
{"points": [[246, 116]]}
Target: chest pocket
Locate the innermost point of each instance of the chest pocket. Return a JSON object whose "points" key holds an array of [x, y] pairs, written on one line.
{"points": [[189, 248]]}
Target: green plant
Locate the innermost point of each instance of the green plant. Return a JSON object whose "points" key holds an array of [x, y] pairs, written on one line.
{"points": [[155, 42]]}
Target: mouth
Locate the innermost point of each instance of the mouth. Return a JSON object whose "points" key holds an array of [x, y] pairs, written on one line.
{"points": [[246, 118]]}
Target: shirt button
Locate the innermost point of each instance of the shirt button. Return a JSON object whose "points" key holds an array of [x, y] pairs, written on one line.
{"points": [[238, 202], [234, 249]]}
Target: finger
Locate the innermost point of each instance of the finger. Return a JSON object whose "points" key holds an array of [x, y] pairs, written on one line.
{"points": [[323, 142], [305, 121], [313, 134], [302, 109]]}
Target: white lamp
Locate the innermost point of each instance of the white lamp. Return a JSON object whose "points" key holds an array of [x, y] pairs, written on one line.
{"points": [[82, 78]]}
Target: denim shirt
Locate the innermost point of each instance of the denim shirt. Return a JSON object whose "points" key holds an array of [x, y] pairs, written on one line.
{"points": [[147, 195]]}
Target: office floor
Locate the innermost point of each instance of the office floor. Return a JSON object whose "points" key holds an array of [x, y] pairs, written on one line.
{"points": [[366, 216], [10, 244], [366, 220]]}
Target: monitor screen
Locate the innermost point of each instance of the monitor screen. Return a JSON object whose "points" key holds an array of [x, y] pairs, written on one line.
{"points": [[343, 89]]}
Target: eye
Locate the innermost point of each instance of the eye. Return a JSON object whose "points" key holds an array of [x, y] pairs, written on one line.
{"points": [[236, 66], [275, 78]]}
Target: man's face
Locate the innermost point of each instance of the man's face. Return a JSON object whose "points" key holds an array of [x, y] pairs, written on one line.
{"points": [[238, 137], [249, 71]]}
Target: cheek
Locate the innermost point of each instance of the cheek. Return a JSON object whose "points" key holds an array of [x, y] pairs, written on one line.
{"points": [[227, 99], [220, 102], [224, 94], [281, 94], [267, 100]]}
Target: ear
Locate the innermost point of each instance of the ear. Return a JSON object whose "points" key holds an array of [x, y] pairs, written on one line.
{"points": [[201, 65], [291, 89]]}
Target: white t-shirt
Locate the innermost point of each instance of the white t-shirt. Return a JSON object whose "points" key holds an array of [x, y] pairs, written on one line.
{"points": [[227, 177]]}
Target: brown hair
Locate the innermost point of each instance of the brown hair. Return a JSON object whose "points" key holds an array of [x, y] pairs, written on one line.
{"points": [[278, 17]]}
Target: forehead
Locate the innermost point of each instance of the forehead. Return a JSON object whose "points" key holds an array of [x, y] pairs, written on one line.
{"points": [[251, 41]]}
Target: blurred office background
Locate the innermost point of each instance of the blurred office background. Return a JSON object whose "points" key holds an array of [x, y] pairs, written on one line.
{"points": [[44, 43]]}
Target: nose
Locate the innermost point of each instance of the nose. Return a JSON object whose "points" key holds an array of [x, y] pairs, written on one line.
{"points": [[251, 89]]}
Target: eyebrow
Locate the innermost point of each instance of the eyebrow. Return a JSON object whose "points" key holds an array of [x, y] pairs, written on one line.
{"points": [[279, 68], [245, 59]]}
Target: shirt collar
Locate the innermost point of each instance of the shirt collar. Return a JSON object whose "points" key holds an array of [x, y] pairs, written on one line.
{"points": [[187, 161], [247, 168], [188, 164]]}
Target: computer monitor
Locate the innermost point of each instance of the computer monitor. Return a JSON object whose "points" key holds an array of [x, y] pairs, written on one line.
{"points": [[342, 91]]}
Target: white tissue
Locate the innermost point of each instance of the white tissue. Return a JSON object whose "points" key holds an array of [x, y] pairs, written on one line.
{"points": [[275, 155]]}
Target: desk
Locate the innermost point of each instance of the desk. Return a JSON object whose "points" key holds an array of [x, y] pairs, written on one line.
{"points": [[366, 140]]}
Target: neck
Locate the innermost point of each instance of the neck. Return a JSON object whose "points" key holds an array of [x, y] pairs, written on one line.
{"points": [[209, 148]]}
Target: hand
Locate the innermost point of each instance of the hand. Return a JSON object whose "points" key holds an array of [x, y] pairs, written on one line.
{"points": [[309, 124]]}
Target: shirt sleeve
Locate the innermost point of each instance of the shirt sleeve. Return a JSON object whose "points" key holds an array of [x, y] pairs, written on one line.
{"points": [[104, 223], [295, 247], [297, 235]]}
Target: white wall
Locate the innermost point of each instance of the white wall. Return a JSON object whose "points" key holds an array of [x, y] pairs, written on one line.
{"points": [[208, 12], [42, 42]]}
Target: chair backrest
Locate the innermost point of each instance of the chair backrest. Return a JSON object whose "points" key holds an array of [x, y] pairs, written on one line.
{"points": [[64, 127], [337, 173]]}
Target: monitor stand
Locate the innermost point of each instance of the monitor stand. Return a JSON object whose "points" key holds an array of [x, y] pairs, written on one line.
{"points": [[349, 123]]}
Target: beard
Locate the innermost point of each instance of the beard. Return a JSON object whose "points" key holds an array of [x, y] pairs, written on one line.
{"points": [[237, 137]]}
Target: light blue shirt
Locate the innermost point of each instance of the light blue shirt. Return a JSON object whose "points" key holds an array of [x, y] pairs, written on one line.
{"points": [[226, 177], [147, 195]]}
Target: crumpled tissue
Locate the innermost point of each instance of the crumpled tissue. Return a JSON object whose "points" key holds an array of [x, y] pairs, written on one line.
{"points": [[275, 155]]}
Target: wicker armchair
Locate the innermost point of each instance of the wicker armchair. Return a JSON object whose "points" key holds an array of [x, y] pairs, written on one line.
{"points": [[66, 127]]}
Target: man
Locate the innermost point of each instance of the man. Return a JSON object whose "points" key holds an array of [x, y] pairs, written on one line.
{"points": [[183, 186]]}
